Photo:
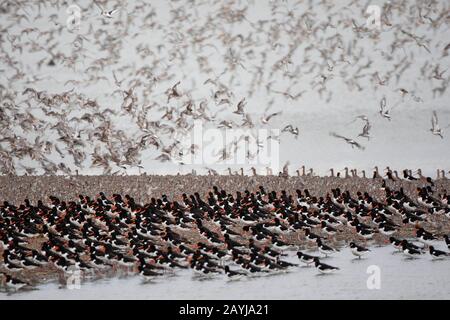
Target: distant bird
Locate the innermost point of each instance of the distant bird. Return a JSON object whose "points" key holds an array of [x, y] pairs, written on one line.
{"points": [[435, 129], [289, 128], [357, 250], [306, 258], [365, 132], [14, 283], [240, 107], [438, 254], [324, 268], [325, 249], [409, 251], [105, 13], [351, 142], [233, 275], [447, 241], [383, 111], [266, 118]]}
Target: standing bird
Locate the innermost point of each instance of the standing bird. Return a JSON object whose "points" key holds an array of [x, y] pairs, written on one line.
{"points": [[447, 241], [357, 250], [438, 254], [324, 268], [14, 283]]}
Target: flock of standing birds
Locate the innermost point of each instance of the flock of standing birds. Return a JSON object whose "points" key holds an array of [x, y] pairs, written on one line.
{"points": [[106, 85], [237, 235]]}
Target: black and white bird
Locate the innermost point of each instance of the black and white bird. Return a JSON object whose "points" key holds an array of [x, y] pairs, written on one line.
{"points": [[329, 230], [306, 258], [234, 275], [425, 236], [409, 251], [324, 268], [357, 250], [325, 249], [396, 243], [447, 241], [438, 254], [14, 283], [387, 229]]}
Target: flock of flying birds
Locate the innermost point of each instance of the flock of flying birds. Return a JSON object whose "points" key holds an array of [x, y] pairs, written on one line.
{"points": [[109, 85]]}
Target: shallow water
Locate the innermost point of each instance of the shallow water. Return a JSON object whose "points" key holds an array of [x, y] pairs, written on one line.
{"points": [[400, 278]]}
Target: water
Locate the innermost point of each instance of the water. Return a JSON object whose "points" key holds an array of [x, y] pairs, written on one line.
{"points": [[401, 278]]}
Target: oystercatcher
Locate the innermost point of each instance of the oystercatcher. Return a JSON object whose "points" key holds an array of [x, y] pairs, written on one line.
{"points": [[324, 268], [425, 236], [396, 243], [409, 251], [306, 258], [447, 241], [438, 254], [357, 250], [14, 283], [234, 275], [325, 249]]}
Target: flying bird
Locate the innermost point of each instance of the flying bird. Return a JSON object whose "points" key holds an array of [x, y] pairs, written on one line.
{"points": [[383, 111], [365, 132], [266, 118], [435, 129], [289, 128], [105, 13], [351, 142]]}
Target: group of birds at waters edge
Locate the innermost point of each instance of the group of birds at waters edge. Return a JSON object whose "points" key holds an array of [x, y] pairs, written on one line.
{"points": [[219, 234]]}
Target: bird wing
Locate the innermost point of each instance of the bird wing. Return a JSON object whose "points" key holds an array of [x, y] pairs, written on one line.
{"points": [[382, 104], [101, 9], [111, 12], [356, 144], [272, 115], [334, 134], [434, 120], [366, 128]]}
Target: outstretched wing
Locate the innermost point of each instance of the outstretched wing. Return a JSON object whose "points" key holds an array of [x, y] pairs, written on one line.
{"points": [[334, 134], [273, 115], [101, 9], [366, 128], [112, 11], [382, 104], [356, 144], [434, 120]]}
